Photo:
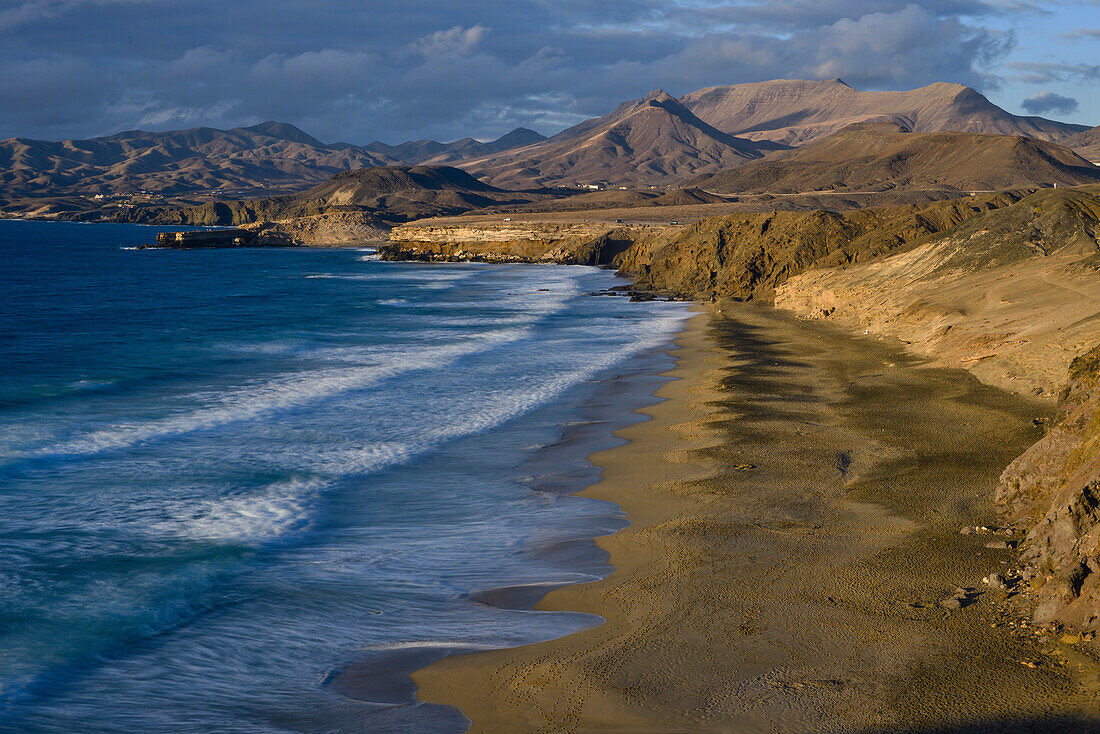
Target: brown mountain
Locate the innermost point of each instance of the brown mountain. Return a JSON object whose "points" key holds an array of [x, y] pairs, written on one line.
{"points": [[649, 140], [255, 160], [794, 112], [269, 155], [435, 153], [383, 195], [884, 156], [1086, 144]]}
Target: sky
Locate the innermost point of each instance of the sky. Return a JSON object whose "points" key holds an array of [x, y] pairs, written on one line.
{"points": [[395, 70]]}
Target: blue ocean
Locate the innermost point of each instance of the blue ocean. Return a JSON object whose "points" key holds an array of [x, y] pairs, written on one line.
{"points": [[250, 490]]}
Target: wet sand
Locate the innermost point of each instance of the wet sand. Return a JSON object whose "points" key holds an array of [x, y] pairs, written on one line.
{"points": [[795, 505]]}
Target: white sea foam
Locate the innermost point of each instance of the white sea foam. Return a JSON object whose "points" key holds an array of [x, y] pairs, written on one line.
{"points": [[481, 417], [258, 401], [281, 508], [419, 644]]}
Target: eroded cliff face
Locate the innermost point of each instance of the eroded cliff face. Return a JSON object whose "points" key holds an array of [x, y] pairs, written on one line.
{"points": [[332, 229], [1053, 492], [535, 242], [747, 256]]}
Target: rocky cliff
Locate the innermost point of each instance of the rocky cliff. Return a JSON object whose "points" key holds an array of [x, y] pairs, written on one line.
{"points": [[1052, 492], [532, 242], [746, 256]]}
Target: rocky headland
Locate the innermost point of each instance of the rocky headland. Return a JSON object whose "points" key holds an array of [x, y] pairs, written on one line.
{"points": [[516, 242]]}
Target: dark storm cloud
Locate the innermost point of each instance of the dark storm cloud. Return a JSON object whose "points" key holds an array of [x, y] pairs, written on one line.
{"points": [[395, 69], [1044, 102]]}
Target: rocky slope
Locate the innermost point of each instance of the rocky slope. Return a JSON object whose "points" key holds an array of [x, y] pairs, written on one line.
{"points": [[885, 156], [746, 256], [332, 229], [1010, 294], [651, 140], [1052, 492], [794, 112]]}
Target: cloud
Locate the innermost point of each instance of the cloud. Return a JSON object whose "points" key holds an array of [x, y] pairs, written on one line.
{"points": [[457, 41], [1044, 102], [1088, 33], [1047, 72], [29, 11], [399, 69]]}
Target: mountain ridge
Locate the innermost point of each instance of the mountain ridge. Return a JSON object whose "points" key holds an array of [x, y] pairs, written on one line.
{"points": [[795, 111], [264, 158], [651, 139]]}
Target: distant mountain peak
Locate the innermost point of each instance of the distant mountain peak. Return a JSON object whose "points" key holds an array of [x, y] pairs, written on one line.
{"points": [[657, 95], [654, 138], [284, 131], [519, 136]]}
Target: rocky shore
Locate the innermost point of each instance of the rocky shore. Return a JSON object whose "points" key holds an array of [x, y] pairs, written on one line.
{"points": [[516, 242]]}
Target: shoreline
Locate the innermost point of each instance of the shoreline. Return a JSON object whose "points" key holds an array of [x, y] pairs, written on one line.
{"points": [[567, 555], [779, 449]]}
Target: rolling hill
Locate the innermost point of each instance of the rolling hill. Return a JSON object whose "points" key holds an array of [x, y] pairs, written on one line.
{"points": [[884, 156], [650, 140], [794, 112]]}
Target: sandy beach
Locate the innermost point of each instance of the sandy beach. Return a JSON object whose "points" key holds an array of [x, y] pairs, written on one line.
{"points": [[795, 502]]}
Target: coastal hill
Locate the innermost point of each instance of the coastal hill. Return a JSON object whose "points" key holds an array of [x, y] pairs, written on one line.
{"points": [[256, 160], [884, 156], [650, 140], [794, 112]]}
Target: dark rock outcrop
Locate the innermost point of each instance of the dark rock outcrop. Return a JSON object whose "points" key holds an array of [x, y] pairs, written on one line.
{"points": [[209, 238], [1053, 492]]}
